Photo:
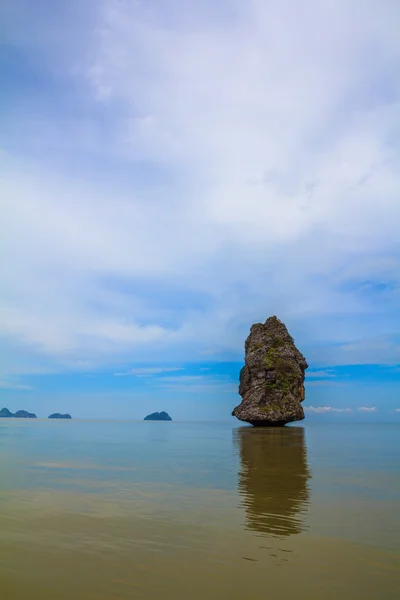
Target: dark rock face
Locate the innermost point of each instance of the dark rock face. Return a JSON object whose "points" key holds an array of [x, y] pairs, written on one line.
{"points": [[23, 414], [158, 416], [5, 413], [272, 380], [59, 416]]}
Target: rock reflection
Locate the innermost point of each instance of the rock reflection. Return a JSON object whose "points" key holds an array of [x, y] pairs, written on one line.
{"points": [[273, 479]]}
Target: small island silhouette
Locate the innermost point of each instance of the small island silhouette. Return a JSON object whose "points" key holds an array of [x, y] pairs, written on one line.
{"points": [[158, 416], [24, 414], [59, 416], [20, 414]]}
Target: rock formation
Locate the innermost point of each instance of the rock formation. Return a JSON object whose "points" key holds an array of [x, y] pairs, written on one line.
{"points": [[24, 414], [5, 413], [158, 416], [272, 379], [20, 414], [59, 416]]}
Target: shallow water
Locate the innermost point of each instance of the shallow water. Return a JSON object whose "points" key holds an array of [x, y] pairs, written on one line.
{"points": [[125, 510]]}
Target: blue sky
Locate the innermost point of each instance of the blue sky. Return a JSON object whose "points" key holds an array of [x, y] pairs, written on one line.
{"points": [[173, 172]]}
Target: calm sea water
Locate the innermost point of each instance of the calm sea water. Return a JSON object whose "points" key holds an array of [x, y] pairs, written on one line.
{"points": [[126, 510]]}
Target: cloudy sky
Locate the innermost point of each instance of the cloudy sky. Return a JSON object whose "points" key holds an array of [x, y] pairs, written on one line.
{"points": [[175, 171]]}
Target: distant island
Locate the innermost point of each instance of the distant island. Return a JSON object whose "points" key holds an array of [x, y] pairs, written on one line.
{"points": [[24, 414], [20, 414], [59, 416], [158, 416]]}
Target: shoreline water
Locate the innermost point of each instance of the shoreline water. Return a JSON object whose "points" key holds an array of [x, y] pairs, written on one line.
{"points": [[118, 509]]}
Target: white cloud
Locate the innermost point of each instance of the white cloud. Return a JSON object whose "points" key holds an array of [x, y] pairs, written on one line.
{"points": [[228, 157], [189, 379], [198, 383], [327, 409], [325, 383], [148, 371], [367, 408], [207, 384], [7, 384], [320, 374], [397, 410]]}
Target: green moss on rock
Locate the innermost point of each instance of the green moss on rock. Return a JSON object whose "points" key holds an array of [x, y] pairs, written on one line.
{"points": [[285, 370], [257, 346]]}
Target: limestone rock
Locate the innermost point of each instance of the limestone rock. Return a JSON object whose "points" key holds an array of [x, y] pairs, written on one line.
{"points": [[158, 416], [59, 416], [24, 414], [272, 379], [20, 414], [6, 414]]}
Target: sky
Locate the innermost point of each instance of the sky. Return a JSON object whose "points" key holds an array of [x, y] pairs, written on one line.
{"points": [[172, 172]]}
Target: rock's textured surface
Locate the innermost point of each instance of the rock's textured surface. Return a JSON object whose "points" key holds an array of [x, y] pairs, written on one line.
{"points": [[59, 416], [272, 380], [158, 416]]}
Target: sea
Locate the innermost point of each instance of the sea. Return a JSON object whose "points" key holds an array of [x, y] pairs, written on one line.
{"points": [[118, 510]]}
